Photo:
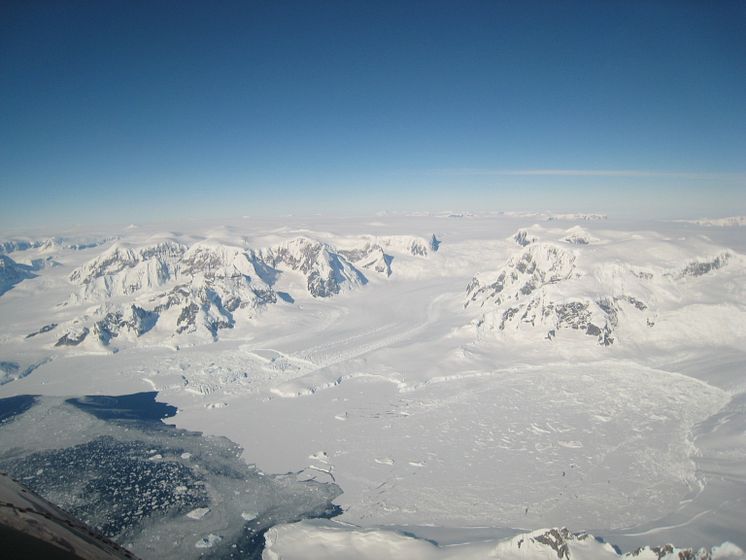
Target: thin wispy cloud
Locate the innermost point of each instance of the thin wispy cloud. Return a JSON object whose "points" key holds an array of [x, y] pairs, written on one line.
{"points": [[632, 173]]}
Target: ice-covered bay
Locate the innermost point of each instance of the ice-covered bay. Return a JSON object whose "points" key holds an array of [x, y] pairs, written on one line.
{"points": [[160, 491], [517, 447]]}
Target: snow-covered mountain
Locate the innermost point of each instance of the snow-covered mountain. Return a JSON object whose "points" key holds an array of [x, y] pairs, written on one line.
{"points": [[13, 245], [189, 289], [207, 286], [124, 270], [409, 244], [52, 244], [701, 267], [11, 273], [545, 289], [521, 293], [538, 265], [369, 257], [377, 253], [326, 271], [576, 235]]}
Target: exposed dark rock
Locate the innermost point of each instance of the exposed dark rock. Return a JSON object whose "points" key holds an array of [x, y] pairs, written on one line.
{"points": [[508, 314], [137, 320], [73, 338], [523, 238], [556, 539], [9, 367], [634, 301], [668, 550], [698, 268], [187, 318]]}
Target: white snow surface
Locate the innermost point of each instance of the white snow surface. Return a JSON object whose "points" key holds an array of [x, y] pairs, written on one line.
{"points": [[329, 541], [445, 376]]}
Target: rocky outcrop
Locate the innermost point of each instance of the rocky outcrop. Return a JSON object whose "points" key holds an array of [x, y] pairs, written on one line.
{"points": [[523, 238], [700, 268]]}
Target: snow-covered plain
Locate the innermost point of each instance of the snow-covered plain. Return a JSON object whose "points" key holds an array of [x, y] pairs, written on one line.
{"points": [[457, 375]]}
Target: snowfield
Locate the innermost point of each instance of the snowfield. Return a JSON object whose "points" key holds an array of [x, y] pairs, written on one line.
{"points": [[462, 378], [331, 541]]}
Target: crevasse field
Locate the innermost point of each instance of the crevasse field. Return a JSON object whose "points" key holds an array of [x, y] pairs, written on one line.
{"points": [[457, 384]]}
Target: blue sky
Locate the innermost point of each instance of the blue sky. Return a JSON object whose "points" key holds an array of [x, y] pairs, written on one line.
{"points": [[138, 111]]}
